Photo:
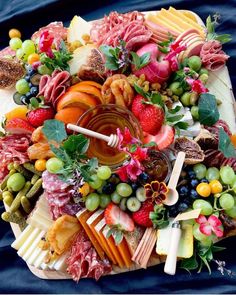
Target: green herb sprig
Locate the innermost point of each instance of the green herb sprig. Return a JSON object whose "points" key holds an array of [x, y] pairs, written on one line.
{"points": [[211, 34]]}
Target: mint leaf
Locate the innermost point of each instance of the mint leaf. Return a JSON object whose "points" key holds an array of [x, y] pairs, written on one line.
{"points": [[105, 49], [111, 64], [173, 119], [181, 125], [224, 38], [175, 110], [61, 154], [76, 143], [157, 99], [144, 59], [54, 130], [136, 59], [208, 111], [150, 144], [225, 145], [140, 91]]}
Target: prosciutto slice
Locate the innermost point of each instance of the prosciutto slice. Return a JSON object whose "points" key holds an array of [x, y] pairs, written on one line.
{"points": [[84, 262], [212, 55], [53, 87], [13, 148], [128, 27]]}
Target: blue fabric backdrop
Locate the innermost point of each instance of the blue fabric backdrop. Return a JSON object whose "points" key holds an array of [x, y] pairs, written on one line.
{"points": [[28, 16]]}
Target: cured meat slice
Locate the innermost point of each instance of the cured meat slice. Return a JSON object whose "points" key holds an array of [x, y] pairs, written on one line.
{"points": [[83, 261], [212, 55], [52, 88], [56, 29], [13, 148]]}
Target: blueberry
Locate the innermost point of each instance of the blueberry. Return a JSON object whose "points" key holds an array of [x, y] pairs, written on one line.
{"points": [[183, 190], [24, 99], [193, 194], [182, 206], [134, 186], [27, 78], [194, 182], [34, 90], [172, 210], [28, 95], [143, 178], [191, 174], [31, 71], [204, 180], [108, 188], [114, 179]]}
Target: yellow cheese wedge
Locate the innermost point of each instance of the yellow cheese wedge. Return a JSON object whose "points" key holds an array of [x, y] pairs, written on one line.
{"points": [[28, 242], [113, 247], [83, 216], [185, 249], [169, 23], [125, 253], [22, 237], [98, 228], [156, 20]]}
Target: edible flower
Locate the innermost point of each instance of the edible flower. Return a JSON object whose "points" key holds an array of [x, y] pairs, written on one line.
{"points": [[125, 139], [174, 49], [157, 191], [197, 85], [210, 225], [131, 170], [45, 43]]}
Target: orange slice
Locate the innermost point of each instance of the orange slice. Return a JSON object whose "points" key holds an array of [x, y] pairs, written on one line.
{"points": [[69, 115], [76, 99], [18, 112], [92, 83], [89, 89]]}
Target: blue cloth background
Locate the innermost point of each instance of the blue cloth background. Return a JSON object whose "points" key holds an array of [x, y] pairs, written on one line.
{"points": [[28, 16]]}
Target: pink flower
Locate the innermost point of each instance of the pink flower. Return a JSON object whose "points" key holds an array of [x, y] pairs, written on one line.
{"points": [[131, 170], [197, 85], [175, 49], [125, 138], [140, 154], [45, 43], [212, 224]]}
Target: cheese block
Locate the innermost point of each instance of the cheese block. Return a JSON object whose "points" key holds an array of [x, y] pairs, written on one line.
{"points": [[83, 216], [185, 249], [166, 23], [98, 228], [40, 259], [78, 27], [155, 19], [125, 253], [22, 237], [186, 16], [92, 222], [28, 242], [113, 247], [33, 245], [34, 255]]}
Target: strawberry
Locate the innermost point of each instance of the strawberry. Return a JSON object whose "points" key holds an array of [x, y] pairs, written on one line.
{"points": [[141, 217], [38, 116], [164, 137], [18, 126], [138, 106], [151, 119], [114, 216]]}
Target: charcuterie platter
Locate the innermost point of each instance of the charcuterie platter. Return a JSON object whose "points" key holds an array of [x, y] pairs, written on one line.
{"points": [[117, 149]]}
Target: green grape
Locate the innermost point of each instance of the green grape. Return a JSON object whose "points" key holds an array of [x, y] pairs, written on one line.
{"points": [[54, 164], [195, 63], [204, 78], [176, 88], [19, 53], [92, 202], [226, 201], [212, 173], [207, 241], [104, 172], [203, 71], [124, 189], [104, 200], [200, 170], [16, 182], [99, 190], [197, 234], [194, 112], [115, 197], [22, 86], [95, 182], [185, 99], [28, 47], [44, 70], [231, 212], [227, 174], [15, 43], [206, 208]]}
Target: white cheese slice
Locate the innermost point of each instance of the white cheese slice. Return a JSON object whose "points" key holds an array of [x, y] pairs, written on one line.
{"points": [[33, 245], [22, 237], [60, 264], [43, 266], [40, 258], [34, 255], [28, 242]]}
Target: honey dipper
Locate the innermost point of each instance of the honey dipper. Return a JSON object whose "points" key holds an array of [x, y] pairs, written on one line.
{"points": [[111, 140]]}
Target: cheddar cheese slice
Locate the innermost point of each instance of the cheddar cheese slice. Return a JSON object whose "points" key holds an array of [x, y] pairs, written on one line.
{"points": [[169, 23], [83, 216], [98, 228], [160, 22], [113, 247], [125, 253]]}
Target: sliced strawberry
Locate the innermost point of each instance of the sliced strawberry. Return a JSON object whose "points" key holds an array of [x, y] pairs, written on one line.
{"points": [[18, 126], [114, 216], [163, 139], [38, 116], [141, 217], [138, 106], [151, 119]]}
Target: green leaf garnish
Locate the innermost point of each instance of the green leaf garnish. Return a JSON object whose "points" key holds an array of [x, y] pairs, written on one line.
{"points": [[159, 217], [150, 144], [54, 130], [225, 145], [212, 35], [140, 61], [76, 144], [208, 111]]}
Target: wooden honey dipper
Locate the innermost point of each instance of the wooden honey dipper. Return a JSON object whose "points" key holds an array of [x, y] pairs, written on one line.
{"points": [[111, 140]]}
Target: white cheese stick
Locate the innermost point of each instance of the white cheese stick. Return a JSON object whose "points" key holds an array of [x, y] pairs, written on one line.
{"points": [[33, 245], [28, 242], [22, 237]]}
